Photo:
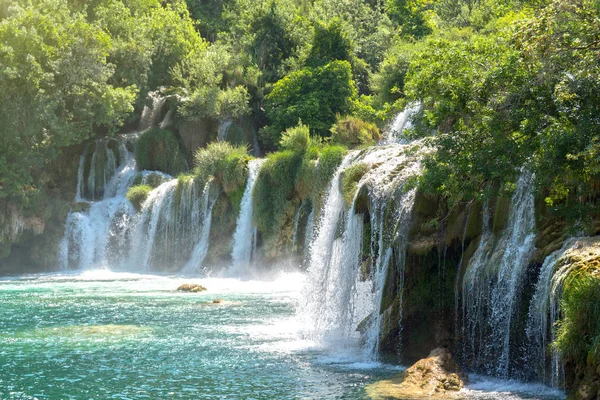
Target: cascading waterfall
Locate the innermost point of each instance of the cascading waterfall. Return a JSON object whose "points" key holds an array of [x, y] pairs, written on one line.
{"points": [[544, 312], [169, 232], [401, 122], [244, 236], [494, 279], [338, 297], [100, 234]]}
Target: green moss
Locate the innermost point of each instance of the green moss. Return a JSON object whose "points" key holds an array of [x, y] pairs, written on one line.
{"points": [[154, 180], [138, 194], [474, 223], [235, 198], [273, 190], [330, 158], [158, 150], [501, 212], [305, 182], [350, 178]]}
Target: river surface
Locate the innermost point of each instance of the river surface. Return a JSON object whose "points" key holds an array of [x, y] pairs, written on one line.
{"points": [[108, 335]]}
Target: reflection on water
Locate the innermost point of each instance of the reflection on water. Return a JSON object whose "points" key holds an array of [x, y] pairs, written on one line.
{"points": [[100, 334]]}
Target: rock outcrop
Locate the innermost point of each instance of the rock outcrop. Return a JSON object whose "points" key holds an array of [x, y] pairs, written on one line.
{"points": [[191, 287], [434, 377]]}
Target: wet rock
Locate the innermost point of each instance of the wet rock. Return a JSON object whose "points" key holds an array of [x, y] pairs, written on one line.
{"points": [[191, 287], [217, 301], [434, 377]]}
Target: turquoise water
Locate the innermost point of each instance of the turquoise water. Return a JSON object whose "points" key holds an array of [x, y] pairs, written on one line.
{"points": [[105, 335]]}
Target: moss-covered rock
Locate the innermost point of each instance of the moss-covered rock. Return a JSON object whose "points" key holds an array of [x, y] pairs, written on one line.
{"points": [[434, 377], [138, 194], [159, 150]]}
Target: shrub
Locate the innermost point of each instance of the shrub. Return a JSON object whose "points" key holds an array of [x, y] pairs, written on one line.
{"points": [[350, 178], [354, 132], [225, 162], [138, 194], [158, 150], [295, 139]]}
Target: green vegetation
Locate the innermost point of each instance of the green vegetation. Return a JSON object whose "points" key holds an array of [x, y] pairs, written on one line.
{"points": [[226, 163], [313, 96], [295, 139], [138, 194], [354, 132], [578, 335], [158, 150], [72, 72], [288, 178], [350, 178]]}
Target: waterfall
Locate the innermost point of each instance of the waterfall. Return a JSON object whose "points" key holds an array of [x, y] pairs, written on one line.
{"points": [[493, 282], [151, 115], [223, 131], [544, 312], [170, 231], [339, 299], [388, 240], [100, 234], [401, 122], [243, 238]]}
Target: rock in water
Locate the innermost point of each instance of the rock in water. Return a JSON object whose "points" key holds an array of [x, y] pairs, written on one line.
{"points": [[191, 287], [434, 377]]}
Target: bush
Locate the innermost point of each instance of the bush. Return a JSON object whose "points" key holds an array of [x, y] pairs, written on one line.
{"points": [[350, 178], [158, 150], [354, 132], [295, 139], [138, 194], [225, 162]]}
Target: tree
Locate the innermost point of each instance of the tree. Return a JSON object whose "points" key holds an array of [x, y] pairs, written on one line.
{"points": [[312, 95]]}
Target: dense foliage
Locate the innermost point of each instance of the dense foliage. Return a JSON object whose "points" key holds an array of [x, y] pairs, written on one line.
{"points": [[502, 83]]}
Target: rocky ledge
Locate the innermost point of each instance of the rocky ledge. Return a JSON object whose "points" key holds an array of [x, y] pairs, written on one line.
{"points": [[434, 377]]}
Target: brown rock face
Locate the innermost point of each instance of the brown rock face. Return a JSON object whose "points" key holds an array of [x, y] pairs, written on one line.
{"points": [[434, 377], [191, 287]]}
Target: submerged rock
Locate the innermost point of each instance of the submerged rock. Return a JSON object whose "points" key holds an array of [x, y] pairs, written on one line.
{"points": [[434, 377], [191, 287]]}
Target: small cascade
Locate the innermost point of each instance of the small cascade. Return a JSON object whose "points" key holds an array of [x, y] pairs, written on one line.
{"points": [[244, 236], [309, 233], [202, 218], [170, 231], [101, 232], [151, 115], [223, 131], [343, 294], [401, 122], [493, 282], [173, 223], [544, 312]]}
